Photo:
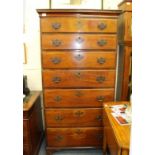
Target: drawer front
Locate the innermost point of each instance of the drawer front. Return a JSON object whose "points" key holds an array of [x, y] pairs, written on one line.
{"points": [[78, 41], [73, 117], [74, 137], [72, 24], [77, 97], [78, 78], [25, 132], [79, 59]]}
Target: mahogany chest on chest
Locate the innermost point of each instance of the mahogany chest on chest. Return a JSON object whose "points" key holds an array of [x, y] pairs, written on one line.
{"points": [[79, 53]]}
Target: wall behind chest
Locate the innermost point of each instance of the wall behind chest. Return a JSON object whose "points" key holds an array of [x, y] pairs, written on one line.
{"points": [[32, 42], [111, 4]]}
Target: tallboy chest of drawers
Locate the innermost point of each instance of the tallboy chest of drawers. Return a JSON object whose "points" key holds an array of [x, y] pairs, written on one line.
{"points": [[79, 51]]}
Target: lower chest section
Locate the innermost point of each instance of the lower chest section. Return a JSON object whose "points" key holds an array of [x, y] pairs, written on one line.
{"points": [[74, 137]]}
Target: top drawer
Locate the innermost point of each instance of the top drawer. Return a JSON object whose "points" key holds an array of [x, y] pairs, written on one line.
{"points": [[74, 24]]}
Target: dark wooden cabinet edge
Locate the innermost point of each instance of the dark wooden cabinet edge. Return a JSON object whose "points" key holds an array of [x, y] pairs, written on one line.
{"points": [[40, 143]]}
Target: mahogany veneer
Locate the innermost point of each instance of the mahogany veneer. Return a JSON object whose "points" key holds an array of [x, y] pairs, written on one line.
{"points": [[79, 51]]}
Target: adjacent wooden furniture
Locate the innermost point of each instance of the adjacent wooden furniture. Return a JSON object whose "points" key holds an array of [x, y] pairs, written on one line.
{"points": [[32, 124], [116, 137], [79, 51], [125, 46]]}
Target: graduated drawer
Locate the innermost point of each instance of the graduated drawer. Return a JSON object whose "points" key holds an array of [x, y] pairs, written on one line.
{"points": [[79, 59], [74, 137], [78, 78], [78, 41], [74, 24], [77, 97], [70, 117]]}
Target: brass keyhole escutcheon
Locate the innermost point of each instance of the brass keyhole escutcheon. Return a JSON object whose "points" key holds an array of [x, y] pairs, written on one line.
{"points": [[79, 113], [79, 40], [78, 93], [57, 99], [79, 57], [58, 138], [99, 118], [79, 24], [100, 98], [78, 131], [99, 137], [58, 118], [78, 74]]}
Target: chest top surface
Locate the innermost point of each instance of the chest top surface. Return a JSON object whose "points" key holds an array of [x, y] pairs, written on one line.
{"points": [[50, 12], [30, 100]]}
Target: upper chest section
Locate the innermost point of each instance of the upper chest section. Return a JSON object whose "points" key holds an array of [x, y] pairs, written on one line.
{"points": [[78, 21]]}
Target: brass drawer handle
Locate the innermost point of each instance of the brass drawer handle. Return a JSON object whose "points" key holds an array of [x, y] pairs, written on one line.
{"points": [[79, 57], [100, 79], [101, 42], [58, 138], [56, 60], [102, 26], [56, 79], [99, 118], [58, 118], [56, 42], [57, 99], [56, 26], [78, 93], [79, 113], [100, 98], [79, 40], [101, 60]]}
